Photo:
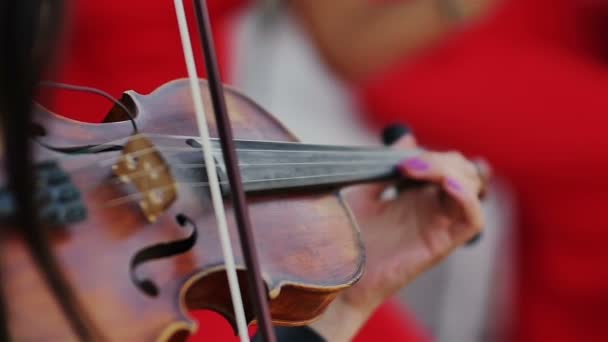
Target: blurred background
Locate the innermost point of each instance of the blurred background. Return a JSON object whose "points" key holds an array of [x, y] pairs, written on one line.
{"points": [[521, 83], [277, 64]]}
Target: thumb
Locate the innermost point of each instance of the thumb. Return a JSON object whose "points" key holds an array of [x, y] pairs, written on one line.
{"points": [[398, 136], [408, 141]]}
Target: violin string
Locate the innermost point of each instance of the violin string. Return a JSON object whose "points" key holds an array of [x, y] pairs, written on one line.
{"points": [[138, 153], [185, 138], [111, 160], [190, 149], [137, 195], [216, 195], [382, 158], [386, 158], [181, 165], [140, 174]]}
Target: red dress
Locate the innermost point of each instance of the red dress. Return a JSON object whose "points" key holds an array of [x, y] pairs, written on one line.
{"points": [[118, 45], [528, 90]]}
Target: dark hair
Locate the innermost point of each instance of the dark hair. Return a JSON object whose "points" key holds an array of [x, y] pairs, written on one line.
{"points": [[28, 34]]}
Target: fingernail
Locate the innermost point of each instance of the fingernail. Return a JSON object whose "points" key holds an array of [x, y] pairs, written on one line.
{"points": [[453, 184], [414, 164]]}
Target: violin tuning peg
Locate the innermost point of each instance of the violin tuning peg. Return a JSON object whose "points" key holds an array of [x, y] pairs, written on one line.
{"points": [[394, 132]]}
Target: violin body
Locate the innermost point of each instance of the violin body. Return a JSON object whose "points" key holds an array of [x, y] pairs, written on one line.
{"points": [[308, 243]]}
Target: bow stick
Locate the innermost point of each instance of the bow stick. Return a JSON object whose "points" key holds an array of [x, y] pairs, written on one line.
{"points": [[254, 279]]}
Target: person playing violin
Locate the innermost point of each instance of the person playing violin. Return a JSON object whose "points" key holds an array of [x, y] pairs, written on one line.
{"points": [[404, 234]]}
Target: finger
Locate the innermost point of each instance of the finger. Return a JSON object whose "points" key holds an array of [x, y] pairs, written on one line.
{"points": [[435, 167], [407, 141], [470, 206], [484, 172], [399, 136], [427, 166], [392, 133], [420, 171]]}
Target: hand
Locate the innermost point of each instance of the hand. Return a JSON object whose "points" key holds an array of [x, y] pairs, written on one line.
{"points": [[408, 234]]}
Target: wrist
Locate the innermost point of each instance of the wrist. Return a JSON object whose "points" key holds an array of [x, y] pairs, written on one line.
{"points": [[341, 321]]}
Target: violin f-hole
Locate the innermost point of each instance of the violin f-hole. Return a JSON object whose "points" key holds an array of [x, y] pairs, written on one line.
{"points": [[161, 251]]}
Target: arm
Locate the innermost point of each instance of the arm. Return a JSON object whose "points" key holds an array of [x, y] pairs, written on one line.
{"points": [[403, 237], [408, 234], [357, 37]]}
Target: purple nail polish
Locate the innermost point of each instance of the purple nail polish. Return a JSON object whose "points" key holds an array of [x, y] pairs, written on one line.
{"points": [[415, 164], [454, 184]]}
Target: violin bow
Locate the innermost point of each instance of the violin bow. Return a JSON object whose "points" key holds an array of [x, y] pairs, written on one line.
{"points": [[253, 274]]}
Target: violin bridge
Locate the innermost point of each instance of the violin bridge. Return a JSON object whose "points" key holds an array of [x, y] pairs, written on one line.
{"points": [[144, 167]]}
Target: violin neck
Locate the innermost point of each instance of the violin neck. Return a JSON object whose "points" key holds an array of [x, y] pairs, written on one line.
{"points": [[274, 166]]}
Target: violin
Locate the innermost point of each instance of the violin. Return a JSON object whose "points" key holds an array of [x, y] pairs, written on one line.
{"points": [[131, 220]]}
